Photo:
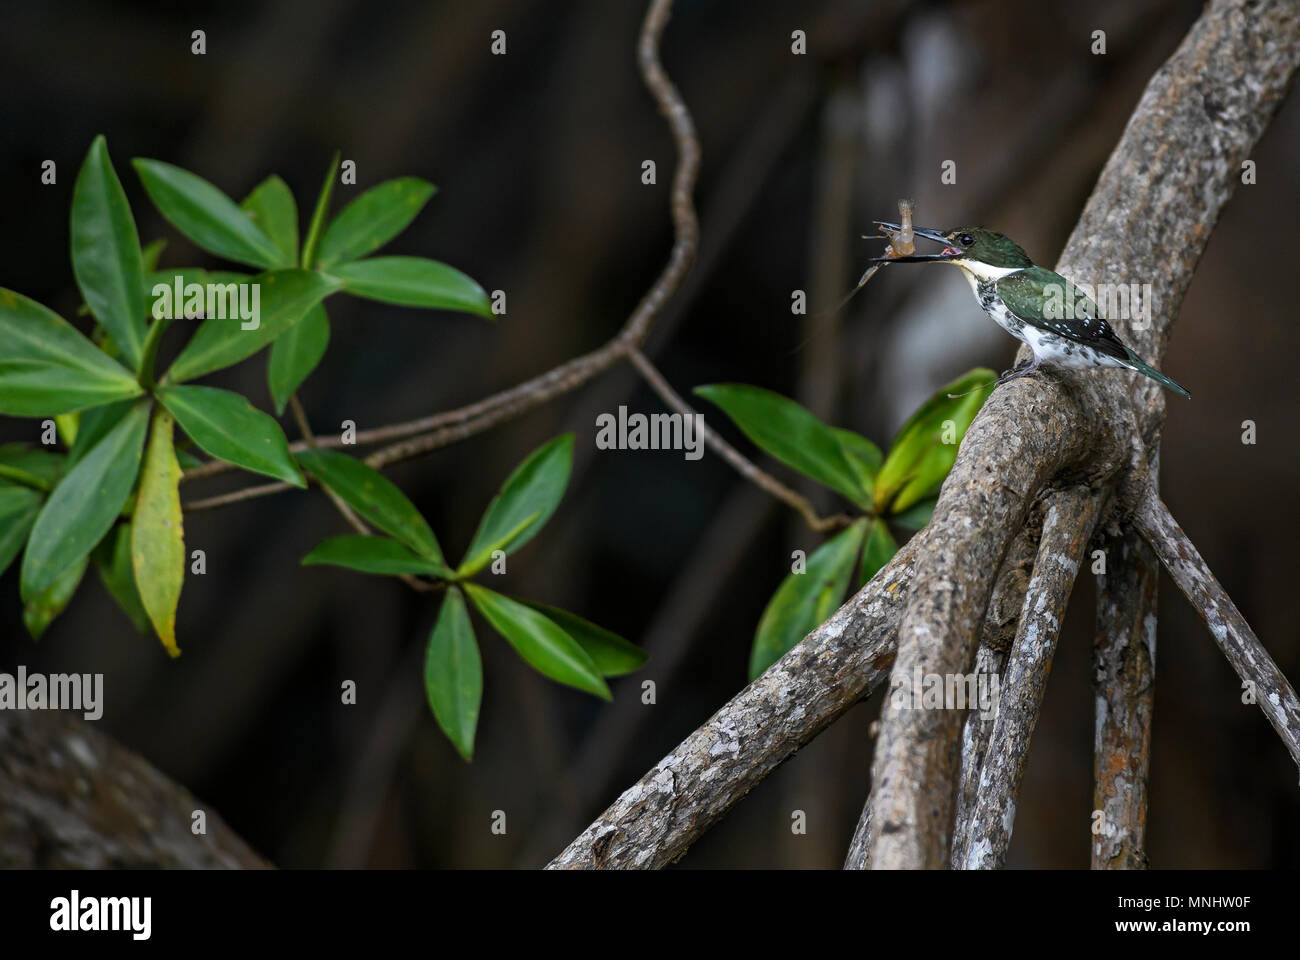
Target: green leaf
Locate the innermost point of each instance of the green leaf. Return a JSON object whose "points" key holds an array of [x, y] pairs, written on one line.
{"points": [[372, 219], [532, 491], [414, 282], [539, 640], [106, 256], [96, 424], [295, 354], [150, 253], [803, 601], [84, 505], [318, 215], [862, 455], [926, 447], [157, 533], [46, 465], [880, 548], [228, 427], [18, 509], [272, 209], [204, 214], [916, 517], [40, 610], [483, 557], [47, 367], [375, 498], [612, 655], [31, 466], [113, 561], [373, 555], [790, 433], [453, 674], [68, 424], [285, 295]]}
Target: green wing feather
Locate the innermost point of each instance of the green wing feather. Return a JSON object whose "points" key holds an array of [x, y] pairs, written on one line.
{"points": [[1048, 301]]}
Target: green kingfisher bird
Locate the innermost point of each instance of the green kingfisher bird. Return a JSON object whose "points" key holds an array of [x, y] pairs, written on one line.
{"points": [[1019, 295]]}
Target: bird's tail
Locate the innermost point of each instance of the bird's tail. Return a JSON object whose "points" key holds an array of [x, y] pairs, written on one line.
{"points": [[1145, 368]]}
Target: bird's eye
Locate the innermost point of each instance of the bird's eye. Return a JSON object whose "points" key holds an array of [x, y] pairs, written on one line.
{"points": [[965, 239]]}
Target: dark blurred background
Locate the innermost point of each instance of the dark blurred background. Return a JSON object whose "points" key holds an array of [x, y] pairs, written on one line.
{"points": [[537, 155]]}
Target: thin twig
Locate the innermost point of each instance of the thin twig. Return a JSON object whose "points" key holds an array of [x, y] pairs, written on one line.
{"points": [[743, 466], [343, 507], [1259, 674], [439, 430]]}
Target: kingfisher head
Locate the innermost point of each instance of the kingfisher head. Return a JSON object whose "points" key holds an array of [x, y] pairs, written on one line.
{"points": [[966, 246]]}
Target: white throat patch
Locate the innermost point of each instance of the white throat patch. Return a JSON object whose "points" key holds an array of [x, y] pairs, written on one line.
{"points": [[983, 271]]}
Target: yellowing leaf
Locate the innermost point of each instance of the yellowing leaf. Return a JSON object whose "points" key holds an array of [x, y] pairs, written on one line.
{"points": [[157, 537]]}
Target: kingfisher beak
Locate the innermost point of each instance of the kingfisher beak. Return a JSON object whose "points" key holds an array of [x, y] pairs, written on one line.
{"points": [[949, 253]]}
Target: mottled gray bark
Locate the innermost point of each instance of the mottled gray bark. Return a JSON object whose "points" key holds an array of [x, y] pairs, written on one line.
{"points": [[1147, 221], [658, 817], [1260, 676], [1000, 623], [72, 797], [1124, 664], [1071, 516], [999, 630]]}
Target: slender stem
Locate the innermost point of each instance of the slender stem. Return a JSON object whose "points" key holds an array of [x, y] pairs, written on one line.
{"points": [[729, 453], [359, 525], [318, 215], [24, 478]]}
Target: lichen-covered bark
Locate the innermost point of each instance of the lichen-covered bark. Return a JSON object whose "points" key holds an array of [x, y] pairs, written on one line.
{"points": [[658, 818], [999, 630], [1259, 674], [1147, 221], [1000, 625], [1071, 516], [71, 797], [1123, 666]]}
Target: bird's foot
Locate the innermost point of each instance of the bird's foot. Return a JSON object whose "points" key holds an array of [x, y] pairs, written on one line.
{"points": [[1015, 373]]}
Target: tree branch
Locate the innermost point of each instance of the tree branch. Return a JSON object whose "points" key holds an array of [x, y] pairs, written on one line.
{"points": [[999, 630], [660, 816], [1124, 663], [72, 797], [743, 466], [1071, 516], [1231, 632]]}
